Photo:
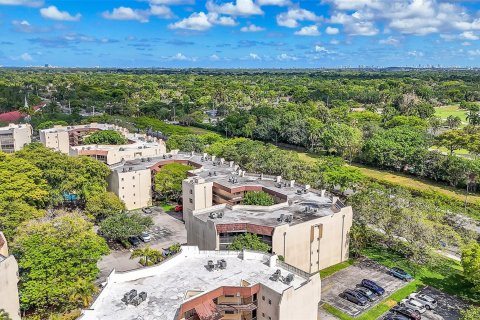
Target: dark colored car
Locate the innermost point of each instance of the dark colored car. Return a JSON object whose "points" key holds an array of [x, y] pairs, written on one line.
{"points": [[147, 210], [409, 313], [367, 293], [395, 316], [135, 241], [369, 284], [400, 274], [179, 208], [354, 297]]}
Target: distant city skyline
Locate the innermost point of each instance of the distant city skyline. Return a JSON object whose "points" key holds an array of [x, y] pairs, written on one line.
{"points": [[240, 33]]}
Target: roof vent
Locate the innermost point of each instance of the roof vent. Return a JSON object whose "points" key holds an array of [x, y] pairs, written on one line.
{"points": [[276, 275]]}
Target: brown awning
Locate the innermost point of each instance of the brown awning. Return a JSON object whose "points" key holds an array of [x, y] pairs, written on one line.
{"points": [[207, 311]]}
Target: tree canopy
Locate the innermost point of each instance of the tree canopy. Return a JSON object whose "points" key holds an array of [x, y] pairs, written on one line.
{"points": [[168, 181], [257, 198], [248, 241], [105, 137]]}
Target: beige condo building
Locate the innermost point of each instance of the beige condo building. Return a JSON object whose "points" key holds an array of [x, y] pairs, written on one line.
{"points": [[8, 281], [69, 140], [14, 137], [210, 285], [308, 228]]}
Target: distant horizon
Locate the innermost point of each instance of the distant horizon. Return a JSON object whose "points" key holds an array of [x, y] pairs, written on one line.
{"points": [[240, 33]]}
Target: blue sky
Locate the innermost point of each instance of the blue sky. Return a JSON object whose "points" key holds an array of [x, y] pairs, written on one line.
{"points": [[239, 33]]}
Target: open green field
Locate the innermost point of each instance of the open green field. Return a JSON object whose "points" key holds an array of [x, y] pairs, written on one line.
{"points": [[406, 181], [460, 152], [452, 110]]}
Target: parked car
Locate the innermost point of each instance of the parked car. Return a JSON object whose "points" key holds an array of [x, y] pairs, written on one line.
{"points": [[145, 236], [413, 304], [369, 284], [409, 313], [134, 241], [147, 210], [395, 316], [400, 274], [429, 302], [354, 297], [367, 293], [179, 208]]}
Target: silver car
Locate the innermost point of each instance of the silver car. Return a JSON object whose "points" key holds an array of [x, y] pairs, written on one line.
{"points": [[429, 302], [413, 304], [145, 236]]}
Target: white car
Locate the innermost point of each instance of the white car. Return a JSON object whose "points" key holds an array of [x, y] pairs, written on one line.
{"points": [[145, 237], [429, 302], [413, 304]]}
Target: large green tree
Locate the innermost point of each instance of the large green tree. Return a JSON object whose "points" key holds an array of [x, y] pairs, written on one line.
{"points": [[248, 241], [123, 225], [471, 263], [104, 204], [257, 198], [168, 181], [54, 257], [105, 137]]}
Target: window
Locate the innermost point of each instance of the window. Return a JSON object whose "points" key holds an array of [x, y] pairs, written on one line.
{"points": [[269, 301], [229, 296], [134, 194], [190, 200], [263, 314], [123, 188], [123, 179], [263, 298], [134, 186], [269, 318], [229, 312], [133, 177], [254, 297], [191, 191]]}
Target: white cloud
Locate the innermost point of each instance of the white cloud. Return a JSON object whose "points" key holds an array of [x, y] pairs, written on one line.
{"points": [[286, 57], [126, 13], [214, 57], [391, 41], [172, 2], [280, 3], [239, 8], [332, 30], [308, 31], [466, 43], [334, 41], [418, 17], [23, 57], [321, 49], [215, 18], [474, 53], [252, 28], [53, 13], [415, 53], [254, 56], [161, 11], [355, 24], [469, 35], [26, 3], [199, 21], [291, 18], [181, 57]]}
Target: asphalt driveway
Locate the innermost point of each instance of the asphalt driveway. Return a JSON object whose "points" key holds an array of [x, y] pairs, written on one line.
{"points": [[168, 229]]}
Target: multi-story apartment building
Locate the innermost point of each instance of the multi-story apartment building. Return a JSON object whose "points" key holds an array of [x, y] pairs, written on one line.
{"points": [[14, 137], [8, 281], [309, 228], [214, 285], [69, 140]]}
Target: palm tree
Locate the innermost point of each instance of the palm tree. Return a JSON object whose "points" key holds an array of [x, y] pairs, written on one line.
{"points": [[83, 292], [148, 256]]}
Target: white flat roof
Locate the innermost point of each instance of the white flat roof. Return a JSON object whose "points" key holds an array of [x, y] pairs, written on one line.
{"points": [[167, 283]]}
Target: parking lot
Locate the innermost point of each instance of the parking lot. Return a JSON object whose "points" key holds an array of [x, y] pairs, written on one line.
{"points": [[448, 307], [168, 229], [348, 278]]}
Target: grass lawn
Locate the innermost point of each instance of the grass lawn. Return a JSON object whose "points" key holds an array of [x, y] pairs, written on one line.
{"points": [[405, 181], [443, 149], [167, 206], [201, 131], [335, 268], [454, 110]]}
